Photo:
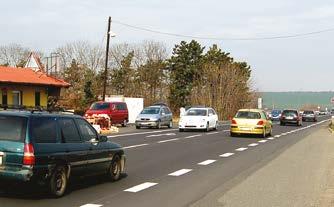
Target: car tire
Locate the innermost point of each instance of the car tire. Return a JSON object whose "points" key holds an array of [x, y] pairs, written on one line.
{"points": [[125, 122], [271, 131], [159, 125], [137, 127], [264, 134], [232, 134], [181, 130], [114, 171], [282, 124], [58, 182], [170, 125], [216, 127], [207, 129]]}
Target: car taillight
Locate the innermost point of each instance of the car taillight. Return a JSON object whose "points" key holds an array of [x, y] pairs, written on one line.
{"points": [[260, 123], [28, 155], [234, 121]]}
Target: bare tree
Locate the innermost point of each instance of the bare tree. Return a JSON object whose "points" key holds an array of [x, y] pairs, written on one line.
{"points": [[13, 55]]}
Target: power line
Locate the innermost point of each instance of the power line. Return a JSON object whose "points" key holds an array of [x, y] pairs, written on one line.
{"points": [[226, 38]]}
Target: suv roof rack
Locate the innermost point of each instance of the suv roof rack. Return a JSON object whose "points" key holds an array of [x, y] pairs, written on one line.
{"points": [[33, 109]]}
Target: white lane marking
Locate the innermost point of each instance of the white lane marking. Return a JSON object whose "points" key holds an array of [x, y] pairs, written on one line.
{"points": [[271, 138], [241, 149], [168, 140], [180, 172], [140, 187], [134, 146], [207, 162], [226, 130], [138, 133], [277, 136], [91, 205], [212, 133], [263, 141], [159, 135], [283, 134], [226, 154], [192, 136], [253, 145]]}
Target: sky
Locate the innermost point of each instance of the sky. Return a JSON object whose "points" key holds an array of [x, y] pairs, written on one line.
{"points": [[296, 64]]}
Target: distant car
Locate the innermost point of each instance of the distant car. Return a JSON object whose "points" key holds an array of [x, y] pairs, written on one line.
{"points": [[276, 114], [251, 121], [202, 118], [50, 148], [322, 112], [156, 116], [117, 111], [291, 116], [309, 116]]}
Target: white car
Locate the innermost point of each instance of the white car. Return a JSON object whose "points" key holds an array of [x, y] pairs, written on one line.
{"points": [[199, 118]]}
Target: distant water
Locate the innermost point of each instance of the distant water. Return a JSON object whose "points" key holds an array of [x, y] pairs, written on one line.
{"points": [[296, 100]]}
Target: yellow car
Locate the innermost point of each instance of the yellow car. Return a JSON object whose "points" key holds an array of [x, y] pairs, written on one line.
{"points": [[251, 121]]}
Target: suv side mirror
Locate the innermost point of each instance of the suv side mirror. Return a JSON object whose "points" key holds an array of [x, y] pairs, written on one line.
{"points": [[102, 138]]}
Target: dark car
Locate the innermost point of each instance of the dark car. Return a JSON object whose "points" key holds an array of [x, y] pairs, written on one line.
{"points": [[291, 116], [50, 148], [309, 116]]}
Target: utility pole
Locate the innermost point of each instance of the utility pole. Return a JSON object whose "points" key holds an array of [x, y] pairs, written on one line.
{"points": [[106, 63]]}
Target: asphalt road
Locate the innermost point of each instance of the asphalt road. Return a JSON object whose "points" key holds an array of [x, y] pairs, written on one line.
{"points": [[168, 168]]}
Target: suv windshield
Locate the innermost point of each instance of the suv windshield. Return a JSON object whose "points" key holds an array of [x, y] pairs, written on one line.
{"points": [[308, 112], [100, 106], [12, 128], [196, 112], [151, 110], [248, 115]]}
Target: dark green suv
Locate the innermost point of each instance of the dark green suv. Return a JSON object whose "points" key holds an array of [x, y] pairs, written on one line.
{"points": [[49, 148]]}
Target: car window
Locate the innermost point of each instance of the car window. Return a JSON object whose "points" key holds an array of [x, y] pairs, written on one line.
{"points": [[151, 110], [308, 112], [69, 131], [290, 113], [86, 130], [163, 110], [100, 106], [168, 111], [120, 106], [196, 112], [12, 128], [248, 115], [44, 129]]}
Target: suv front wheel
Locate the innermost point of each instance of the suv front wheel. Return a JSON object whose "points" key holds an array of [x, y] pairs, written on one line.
{"points": [[58, 181]]}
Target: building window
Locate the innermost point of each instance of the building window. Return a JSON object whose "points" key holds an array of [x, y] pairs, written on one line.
{"points": [[4, 97], [37, 98], [17, 98]]}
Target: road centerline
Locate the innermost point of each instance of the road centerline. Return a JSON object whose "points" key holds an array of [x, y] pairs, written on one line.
{"points": [[140, 187], [207, 162], [180, 172]]}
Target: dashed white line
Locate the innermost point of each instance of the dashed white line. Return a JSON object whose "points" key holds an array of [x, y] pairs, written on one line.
{"points": [[192, 136], [212, 133], [253, 145], [226, 130], [160, 135], [283, 134], [168, 140], [180, 172], [134, 146], [277, 136], [241, 149], [138, 133], [140, 187], [91, 205], [263, 141], [207, 162], [271, 138], [226, 154]]}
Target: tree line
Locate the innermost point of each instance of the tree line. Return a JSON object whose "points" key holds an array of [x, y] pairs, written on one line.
{"points": [[190, 75]]}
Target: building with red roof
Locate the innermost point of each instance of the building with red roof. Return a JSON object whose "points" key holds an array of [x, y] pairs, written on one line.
{"points": [[28, 87]]}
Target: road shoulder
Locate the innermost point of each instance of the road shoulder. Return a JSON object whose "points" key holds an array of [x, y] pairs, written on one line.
{"points": [[303, 175]]}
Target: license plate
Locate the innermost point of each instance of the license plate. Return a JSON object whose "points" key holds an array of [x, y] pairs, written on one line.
{"points": [[245, 129], [289, 118], [0, 160]]}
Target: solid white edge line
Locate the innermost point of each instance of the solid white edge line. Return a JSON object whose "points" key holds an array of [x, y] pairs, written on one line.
{"points": [[139, 133], [241, 149], [168, 140], [134, 146], [91, 205], [140, 187], [180, 172], [207, 162], [253, 145], [226, 154]]}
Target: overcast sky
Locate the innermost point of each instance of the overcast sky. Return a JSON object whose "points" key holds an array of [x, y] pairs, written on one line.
{"points": [[304, 63]]}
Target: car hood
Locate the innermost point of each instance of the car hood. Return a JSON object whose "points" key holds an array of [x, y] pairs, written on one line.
{"points": [[193, 119], [148, 116]]}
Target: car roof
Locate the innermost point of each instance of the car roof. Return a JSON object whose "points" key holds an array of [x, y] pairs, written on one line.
{"points": [[200, 108], [36, 114], [252, 110]]}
